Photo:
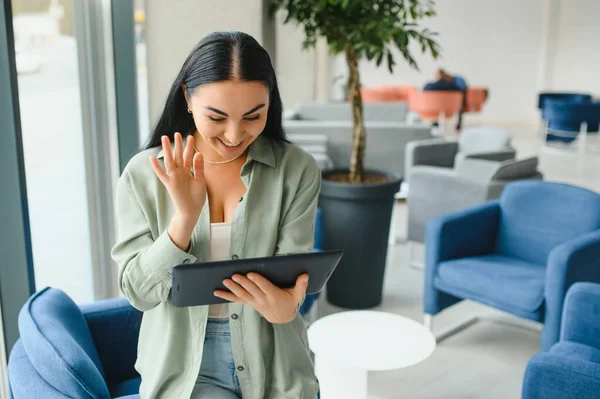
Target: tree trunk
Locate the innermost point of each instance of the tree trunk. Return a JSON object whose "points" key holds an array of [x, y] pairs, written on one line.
{"points": [[358, 127]]}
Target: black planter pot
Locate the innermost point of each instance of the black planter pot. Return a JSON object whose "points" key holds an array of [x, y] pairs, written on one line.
{"points": [[356, 218]]}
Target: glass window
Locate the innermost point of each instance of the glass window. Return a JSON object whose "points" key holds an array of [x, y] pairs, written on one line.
{"points": [[142, 71], [50, 104]]}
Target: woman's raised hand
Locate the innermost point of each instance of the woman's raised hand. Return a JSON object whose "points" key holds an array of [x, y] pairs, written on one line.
{"points": [[187, 190]]}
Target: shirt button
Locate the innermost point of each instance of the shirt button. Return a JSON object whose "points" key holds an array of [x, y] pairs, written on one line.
{"points": [[240, 368], [234, 257], [234, 316], [186, 261]]}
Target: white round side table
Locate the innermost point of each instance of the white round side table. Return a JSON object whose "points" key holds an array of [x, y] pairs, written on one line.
{"points": [[347, 345]]}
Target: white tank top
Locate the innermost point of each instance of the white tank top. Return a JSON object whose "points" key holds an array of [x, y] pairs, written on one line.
{"points": [[220, 237]]}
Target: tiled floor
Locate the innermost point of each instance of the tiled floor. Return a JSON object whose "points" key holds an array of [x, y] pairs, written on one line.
{"points": [[487, 360]]}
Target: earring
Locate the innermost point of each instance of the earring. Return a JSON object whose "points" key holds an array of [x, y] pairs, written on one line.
{"points": [[189, 111]]}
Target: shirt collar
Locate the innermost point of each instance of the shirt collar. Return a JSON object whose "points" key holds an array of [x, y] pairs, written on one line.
{"points": [[261, 151]]}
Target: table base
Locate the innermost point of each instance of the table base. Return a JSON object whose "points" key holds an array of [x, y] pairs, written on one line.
{"points": [[337, 381]]}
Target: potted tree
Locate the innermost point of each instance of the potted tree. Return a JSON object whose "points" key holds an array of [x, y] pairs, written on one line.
{"points": [[357, 203]]}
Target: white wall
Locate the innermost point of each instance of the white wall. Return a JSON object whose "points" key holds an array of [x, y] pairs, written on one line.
{"points": [[491, 43], [515, 48], [175, 27], [295, 67], [575, 55]]}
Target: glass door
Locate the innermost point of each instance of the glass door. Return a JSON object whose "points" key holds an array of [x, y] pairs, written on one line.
{"points": [[52, 127]]}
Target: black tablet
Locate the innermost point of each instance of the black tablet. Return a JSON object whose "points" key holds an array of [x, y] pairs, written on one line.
{"points": [[194, 284]]}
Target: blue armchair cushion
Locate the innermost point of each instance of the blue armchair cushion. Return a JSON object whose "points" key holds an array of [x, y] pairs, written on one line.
{"points": [[58, 343], [536, 217], [25, 382], [571, 369], [554, 376], [581, 315], [577, 350], [505, 283]]}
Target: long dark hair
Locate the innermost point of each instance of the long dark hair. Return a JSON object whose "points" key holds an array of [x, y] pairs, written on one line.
{"points": [[212, 60]]}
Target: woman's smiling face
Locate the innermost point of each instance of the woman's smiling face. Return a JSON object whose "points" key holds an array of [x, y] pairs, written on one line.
{"points": [[228, 116]]}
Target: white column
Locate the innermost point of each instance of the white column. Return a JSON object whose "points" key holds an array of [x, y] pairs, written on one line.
{"points": [[322, 76], [550, 28]]}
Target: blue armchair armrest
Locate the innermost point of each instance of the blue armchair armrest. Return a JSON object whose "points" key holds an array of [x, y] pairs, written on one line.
{"points": [[498, 156], [554, 376], [581, 315], [571, 262], [24, 380], [469, 232], [310, 299], [114, 325]]}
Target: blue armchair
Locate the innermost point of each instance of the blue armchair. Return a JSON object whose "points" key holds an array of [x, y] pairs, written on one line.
{"points": [[566, 120], [569, 97], [572, 367], [66, 351], [519, 254]]}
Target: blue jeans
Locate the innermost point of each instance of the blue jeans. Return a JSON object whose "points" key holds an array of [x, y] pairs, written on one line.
{"points": [[217, 378]]}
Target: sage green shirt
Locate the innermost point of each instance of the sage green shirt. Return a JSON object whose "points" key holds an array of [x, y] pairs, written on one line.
{"points": [[276, 215]]}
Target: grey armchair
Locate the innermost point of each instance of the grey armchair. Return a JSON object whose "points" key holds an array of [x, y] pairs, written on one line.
{"points": [[324, 129], [435, 191], [487, 143]]}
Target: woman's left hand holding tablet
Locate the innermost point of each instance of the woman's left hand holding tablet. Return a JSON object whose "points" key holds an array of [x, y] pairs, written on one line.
{"points": [[276, 305]]}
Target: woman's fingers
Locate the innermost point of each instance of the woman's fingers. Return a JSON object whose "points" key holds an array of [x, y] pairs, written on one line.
{"points": [[178, 150], [168, 154], [249, 286], [299, 290], [263, 284], [188, 152], [160, 173], [228, 296], [237, 290], [198, 166]]}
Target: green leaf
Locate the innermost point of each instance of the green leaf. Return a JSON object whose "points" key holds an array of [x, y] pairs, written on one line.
{"points": [[379, 58], [390, 61], [434, 48], [401, 39]]}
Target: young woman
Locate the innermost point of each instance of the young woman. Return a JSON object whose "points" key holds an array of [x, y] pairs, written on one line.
{"points": [[218, 180]]}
